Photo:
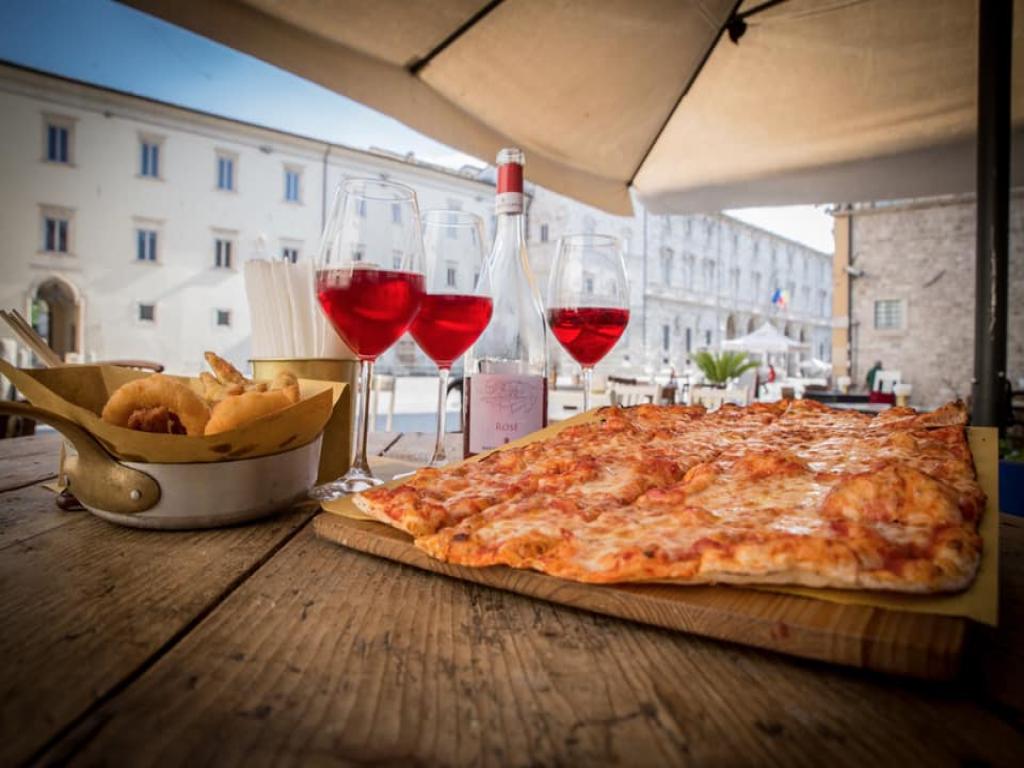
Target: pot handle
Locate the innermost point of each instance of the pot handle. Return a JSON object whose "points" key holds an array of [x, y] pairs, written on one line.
{"points": [[96, 478]]}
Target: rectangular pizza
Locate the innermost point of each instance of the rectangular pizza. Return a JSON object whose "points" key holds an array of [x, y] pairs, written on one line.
{"points": [[792, 492]]}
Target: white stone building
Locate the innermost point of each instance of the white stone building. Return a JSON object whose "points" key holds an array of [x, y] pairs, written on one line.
{"points": [[695, 281], [125, 223], [905, 290], [131, 219]]}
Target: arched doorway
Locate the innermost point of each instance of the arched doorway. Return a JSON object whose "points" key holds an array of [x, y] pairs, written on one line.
{"points": [[751, 325], [56, 315], [730, 327]]}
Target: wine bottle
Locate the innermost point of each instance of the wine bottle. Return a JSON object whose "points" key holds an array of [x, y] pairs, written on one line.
{"points": [[506, 369]]}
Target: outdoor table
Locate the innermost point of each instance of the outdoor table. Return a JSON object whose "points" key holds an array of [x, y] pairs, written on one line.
{"points": [[835, 396], [261, 644]]}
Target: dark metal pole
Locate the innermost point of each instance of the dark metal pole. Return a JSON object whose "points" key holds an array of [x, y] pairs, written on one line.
{"points": [[995, 42]]}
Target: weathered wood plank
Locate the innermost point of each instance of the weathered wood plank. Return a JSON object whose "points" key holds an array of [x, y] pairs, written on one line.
{"points": [[857, 635], [28, 512], [418, 447], [327, 655], [86, 604], [998, 654], [378, 442], [17, 447], [27, 460]]}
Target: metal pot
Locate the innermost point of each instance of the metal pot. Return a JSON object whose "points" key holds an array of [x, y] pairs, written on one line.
{"points": [[178, 496]]}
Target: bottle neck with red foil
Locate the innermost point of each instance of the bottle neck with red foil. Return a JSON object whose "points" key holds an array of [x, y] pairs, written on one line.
{"points": [[509, 198]]}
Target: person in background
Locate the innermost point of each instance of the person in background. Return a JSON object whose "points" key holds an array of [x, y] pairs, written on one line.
{"points": [[872, 374], [771, 373]]}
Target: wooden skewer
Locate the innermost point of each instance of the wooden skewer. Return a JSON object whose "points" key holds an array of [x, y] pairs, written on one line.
{"points": [[31, 339]]}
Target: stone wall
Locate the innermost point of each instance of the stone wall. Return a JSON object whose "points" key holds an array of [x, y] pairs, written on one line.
{"points": [[922, 253]]}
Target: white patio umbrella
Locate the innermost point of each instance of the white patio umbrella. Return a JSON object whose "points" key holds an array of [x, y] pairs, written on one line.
{"points": [[698, 104], [766, 340]]}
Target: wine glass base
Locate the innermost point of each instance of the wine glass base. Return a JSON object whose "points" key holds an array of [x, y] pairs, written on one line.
{"points": [[353, 482]]}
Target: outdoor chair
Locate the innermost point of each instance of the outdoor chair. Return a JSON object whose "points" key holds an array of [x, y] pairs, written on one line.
{"points": [[714, 398], [633, 394], [382, 384]]}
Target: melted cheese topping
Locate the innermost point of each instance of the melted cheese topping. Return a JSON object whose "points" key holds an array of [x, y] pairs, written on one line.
{"points": [[780, 492]]}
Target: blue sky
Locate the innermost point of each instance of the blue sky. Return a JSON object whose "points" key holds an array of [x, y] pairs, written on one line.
{"points": [[102, 42]]}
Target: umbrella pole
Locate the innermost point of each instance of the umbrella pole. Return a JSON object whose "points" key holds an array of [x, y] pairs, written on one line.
{"points": [[995, 42]]}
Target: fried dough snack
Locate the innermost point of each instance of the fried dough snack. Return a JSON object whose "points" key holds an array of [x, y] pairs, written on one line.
{"points": [[232, 412], [138, 404], [226, 380], [222, 401], [225, 372]]}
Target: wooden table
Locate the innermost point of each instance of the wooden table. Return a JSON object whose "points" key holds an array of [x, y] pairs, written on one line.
{"points": [[261, 644]]}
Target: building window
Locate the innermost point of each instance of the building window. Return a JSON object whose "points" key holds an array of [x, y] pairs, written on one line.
{"points": [[223, 318], [588, 285], [396, 213], [666, 332], [149, 158], [543, 233], [226, 173], [666, 267], [358, 250], [56, 230], [451, 276], [145, 245], [689, 340], [707, 338], [291, 185], [222, 253], [290, 254], [889, 315], [57, 139], [361, 207], [147, 313]]}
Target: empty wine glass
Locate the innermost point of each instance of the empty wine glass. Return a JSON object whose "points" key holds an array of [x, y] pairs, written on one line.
{"points": [[456, 306], [588, 300], [369, 282]]}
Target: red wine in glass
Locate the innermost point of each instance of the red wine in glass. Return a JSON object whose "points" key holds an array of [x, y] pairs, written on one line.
{"points": [[588, 333], [447, 324], [370, 308]]}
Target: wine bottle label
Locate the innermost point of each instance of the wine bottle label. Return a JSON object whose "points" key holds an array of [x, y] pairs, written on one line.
{"points": [[503, 407], [508, 202]]}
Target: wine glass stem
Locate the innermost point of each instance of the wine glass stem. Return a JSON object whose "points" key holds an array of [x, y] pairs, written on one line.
{"points": [[588, 378], [365, 381], [440, 457]]}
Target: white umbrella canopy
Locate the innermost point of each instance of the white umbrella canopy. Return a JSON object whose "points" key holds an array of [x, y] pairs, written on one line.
{"points": [[818, 101], [766, 339], [814, 365]]}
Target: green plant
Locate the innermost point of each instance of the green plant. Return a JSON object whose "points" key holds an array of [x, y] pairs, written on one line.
{"points": [[1009, 451], [719, 368]]}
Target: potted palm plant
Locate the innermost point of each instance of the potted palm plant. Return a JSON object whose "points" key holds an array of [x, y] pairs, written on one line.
{"points": [[719, 368]]}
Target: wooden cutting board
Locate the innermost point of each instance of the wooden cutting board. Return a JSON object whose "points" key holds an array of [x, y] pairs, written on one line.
{"points": [[915, 644]]}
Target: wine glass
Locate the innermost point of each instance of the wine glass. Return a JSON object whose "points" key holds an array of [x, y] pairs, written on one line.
{"points": [[588, 300], [369, 280], [456, 306]]}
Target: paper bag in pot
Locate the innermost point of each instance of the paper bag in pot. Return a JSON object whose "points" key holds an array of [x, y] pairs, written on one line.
{"points": [[79, 393]]}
